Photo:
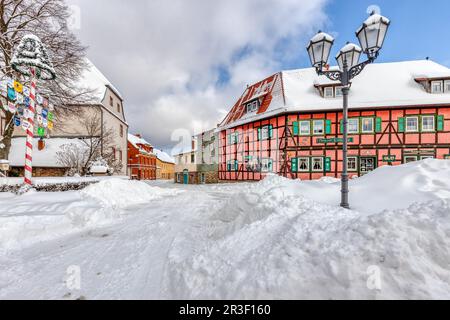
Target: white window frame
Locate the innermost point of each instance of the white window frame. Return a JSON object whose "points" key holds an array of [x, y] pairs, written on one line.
{"points": [[327, 91], [416, 158], [234, 138], [447, 86], [308, 161], [422, 124], [252, 106], [269, 161], [322, 164], [373, 125], [436, 82], [336, 90], [265, 133], [300, 127], [314, 127], [406, 124], [357, 125], [356, 164]]}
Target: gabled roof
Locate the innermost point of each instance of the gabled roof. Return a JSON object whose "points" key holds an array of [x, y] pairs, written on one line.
{"points": [[162, 156], [92, 79], [379, 85], [135, 141]]}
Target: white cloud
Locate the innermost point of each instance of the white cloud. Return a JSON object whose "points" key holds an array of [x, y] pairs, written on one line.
{"points": [[164, 56]]}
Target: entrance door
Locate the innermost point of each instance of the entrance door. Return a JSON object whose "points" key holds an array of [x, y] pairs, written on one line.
{"points": [[367, 164], [186, 177]]}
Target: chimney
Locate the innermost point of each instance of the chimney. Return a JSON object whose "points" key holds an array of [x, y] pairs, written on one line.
{"points": [[138, 135]]}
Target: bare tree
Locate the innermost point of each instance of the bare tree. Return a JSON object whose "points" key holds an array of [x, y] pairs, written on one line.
{"points": [[97, 144], [46, 19]]}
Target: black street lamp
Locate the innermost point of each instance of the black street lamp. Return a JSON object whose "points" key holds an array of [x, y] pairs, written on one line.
{"points": [[371, 37]]}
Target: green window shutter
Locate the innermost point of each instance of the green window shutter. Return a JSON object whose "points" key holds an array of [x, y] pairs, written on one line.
{"points": [[229, 166], [342, 126], [327, 164], [236, 165], [294, 164], [401, 124], [259, 133], [270, 131], [270, 166], [296, 128], [378, 125], [440, 123], [327, 126]]}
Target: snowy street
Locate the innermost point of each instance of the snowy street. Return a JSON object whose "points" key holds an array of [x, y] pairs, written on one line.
{"points": [[277, 239]]}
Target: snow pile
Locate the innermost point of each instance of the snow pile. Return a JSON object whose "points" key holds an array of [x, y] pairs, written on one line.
{"points": [[120, 194], [269, 241], [35, 217]]}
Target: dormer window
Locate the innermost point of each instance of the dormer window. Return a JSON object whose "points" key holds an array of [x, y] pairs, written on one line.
{"points": [[436, 87], [338, 92], [328, 92], [447, 86], [252, 106]]}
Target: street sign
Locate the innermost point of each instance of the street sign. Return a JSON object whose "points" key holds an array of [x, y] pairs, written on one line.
{"points": [[41, 132], [389, 158], [334, 140]]}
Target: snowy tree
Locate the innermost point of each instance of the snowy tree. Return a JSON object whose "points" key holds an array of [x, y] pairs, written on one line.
{"points": [[47, 19], [97, 144]]}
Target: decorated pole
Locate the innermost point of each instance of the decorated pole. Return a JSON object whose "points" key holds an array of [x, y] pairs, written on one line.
{"points": [[28, 169], [31, 60]]}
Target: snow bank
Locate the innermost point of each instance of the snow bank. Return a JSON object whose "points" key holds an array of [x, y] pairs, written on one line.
{"points": [[35, 217], [120, 194], [270, 241]]}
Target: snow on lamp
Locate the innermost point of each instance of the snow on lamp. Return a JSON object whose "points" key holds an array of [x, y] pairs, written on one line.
{"points": [[319, 49], [31, 60], [372, 33], [350, 54]]}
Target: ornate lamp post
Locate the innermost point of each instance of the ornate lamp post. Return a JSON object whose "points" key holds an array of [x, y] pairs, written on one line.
{"points": [[371, 37]]}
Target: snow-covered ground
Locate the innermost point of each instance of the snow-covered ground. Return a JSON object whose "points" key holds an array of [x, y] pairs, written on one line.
{"points": [[277, 239]]}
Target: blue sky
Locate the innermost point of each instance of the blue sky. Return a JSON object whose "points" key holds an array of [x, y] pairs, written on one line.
{"points": [[418, 30]]}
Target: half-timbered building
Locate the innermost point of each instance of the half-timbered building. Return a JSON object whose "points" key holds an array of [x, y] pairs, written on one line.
{"points": [[291, 122]]}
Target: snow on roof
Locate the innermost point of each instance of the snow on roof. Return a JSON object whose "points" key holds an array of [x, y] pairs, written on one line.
{"points": [[41, 158], [379, 85], [164, 157], [93, 79], [135, 140]]}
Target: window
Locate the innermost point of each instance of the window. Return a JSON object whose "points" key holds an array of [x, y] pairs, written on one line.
{"points": [[318, 127], [232, 165], [412, 124], [328, 92], [111, 101], [410, 159], [121, 130], [252, 106], [233, 138], [428, 123], [305, 128], [317, 164], [303, 164], [338, 92], [353, 125], [118, 107], [447, 86], [352, 163], [192, 158], [367, 125], [447, 157], [266, 165], [266, 133], [436, 87]]}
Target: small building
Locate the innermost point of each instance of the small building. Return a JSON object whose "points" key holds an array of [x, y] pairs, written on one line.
{"points": [[165, 165], [142, 160], [200, 165], [291, 122]]}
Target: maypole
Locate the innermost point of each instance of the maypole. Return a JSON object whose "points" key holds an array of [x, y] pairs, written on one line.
{"points": [[31, 60]]}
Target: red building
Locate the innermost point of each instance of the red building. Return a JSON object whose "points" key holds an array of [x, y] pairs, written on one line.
{"points": [[142, 160], [291, 122]]}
